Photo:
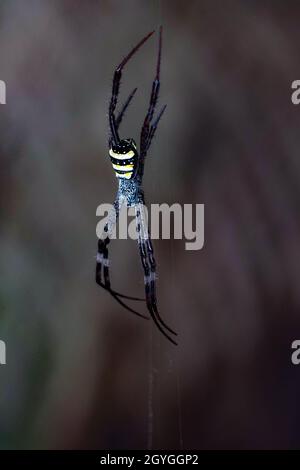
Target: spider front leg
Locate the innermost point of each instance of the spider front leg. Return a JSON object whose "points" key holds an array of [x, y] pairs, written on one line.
{"points": [[149, 267], [113, 121], [102, 260]]}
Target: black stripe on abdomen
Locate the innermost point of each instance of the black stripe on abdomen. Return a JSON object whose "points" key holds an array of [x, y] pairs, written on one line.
{"points": [[125, 161]]}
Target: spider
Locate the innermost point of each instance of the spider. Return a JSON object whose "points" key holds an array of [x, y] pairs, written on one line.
{"points": [[128, 164]]}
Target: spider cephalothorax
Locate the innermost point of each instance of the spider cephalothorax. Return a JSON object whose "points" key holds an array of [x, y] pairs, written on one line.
{"points": [[128, 164]]}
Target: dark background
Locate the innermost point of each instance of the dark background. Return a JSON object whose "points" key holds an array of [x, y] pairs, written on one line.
{"points": [[82, 372]]}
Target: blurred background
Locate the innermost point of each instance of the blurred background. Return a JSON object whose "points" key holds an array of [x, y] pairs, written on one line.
{"points": [[82, 373]]}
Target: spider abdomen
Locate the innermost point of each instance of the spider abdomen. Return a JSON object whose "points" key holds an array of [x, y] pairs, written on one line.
{"points": [[124, 159]]}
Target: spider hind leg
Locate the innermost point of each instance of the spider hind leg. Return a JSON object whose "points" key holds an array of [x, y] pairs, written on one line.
{"points": [[102, 260], [149, 267], [102, 265]]}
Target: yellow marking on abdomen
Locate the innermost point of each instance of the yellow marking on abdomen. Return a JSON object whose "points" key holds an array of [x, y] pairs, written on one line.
{"points": [[127, 176], [121, 156], [122, 167]]}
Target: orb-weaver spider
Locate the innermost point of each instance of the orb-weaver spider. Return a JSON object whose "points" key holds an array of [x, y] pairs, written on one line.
{"points": [[128, 165]]}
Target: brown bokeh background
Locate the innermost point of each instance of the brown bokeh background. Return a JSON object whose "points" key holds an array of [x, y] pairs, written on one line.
{"points": [[81, 372]]}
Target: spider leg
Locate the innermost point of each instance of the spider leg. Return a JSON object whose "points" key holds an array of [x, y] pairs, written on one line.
{"points": [[149, 116], [154, 126], [116, 296], [124, 108], [102, 263], [153, 284], [116, 89], [149, 267]]}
